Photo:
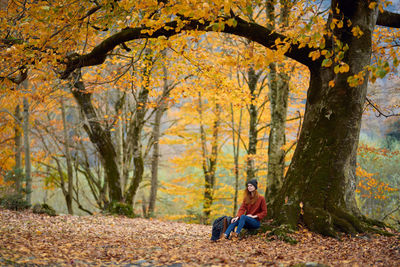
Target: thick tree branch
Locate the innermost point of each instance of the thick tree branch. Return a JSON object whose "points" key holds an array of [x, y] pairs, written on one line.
{"points": [[249, 30], [388, 19]]}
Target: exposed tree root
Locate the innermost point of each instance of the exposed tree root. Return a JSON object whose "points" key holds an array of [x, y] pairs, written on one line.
{"points": [[341, 218], [282, 233], [331, 223], [376, 223], [278, 231], [328, 223], [319, 221]]}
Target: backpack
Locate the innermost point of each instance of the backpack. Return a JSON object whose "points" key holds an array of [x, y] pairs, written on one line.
{"points": [[219, 227]]}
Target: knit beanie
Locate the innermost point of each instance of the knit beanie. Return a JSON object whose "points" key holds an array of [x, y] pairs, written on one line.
{"points": [[253, 182]]}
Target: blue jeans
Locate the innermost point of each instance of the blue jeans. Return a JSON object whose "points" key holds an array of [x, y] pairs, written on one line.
{"points": [[243, 222]]}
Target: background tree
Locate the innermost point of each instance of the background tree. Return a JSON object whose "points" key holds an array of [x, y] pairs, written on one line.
{"points": [[279, 93]]}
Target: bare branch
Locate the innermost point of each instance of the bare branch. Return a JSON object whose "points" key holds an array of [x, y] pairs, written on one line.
{"points": [[380, 113]]}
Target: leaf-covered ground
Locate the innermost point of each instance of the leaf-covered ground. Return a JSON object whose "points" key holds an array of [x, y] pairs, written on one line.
{"points": [[27, 239]]}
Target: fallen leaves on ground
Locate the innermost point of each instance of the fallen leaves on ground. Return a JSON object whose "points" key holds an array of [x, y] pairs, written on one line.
{"points": [[108, 240]]}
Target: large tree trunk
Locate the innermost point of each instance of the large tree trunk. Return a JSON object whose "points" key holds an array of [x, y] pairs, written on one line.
{"points": [[321, 177]]}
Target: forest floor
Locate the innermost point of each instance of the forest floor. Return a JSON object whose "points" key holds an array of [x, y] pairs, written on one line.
{"points": [[28, 239]]}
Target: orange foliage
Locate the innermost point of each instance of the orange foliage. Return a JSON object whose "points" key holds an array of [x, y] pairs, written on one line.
{"points": [[368, 185]]}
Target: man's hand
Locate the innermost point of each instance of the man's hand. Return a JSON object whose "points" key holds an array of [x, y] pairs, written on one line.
{"points": [[252, 216], [234, 219]]}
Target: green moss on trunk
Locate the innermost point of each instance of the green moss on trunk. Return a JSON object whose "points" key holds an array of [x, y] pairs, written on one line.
{"points": [[318, 190]]}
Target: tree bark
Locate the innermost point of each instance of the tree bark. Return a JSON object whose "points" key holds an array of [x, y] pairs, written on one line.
{"points": [[154, 160], [278, 95], [18, 150], [253, 132], [279, 91], [236, 147], [70, 175], [118, 108], [209, 160], [156, 139], [138, 163], [97, 188], [101, 138], [28, 178], [135, 133], [321, 176]]}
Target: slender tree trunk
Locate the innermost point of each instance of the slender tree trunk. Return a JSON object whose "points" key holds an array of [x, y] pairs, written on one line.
{"points": [[213, 162], [28, 178], [321, 176], [144, 206], [236, 146], [135, 133], [205, 164], [253, 133], [209, 162], [70, 175], [138, 160], [278, 94], [100, 137], [156, 146], [154, 161], [138, 163], [118, 107], [94, 181], [18, 150], [120, 144], [279, 91]]}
